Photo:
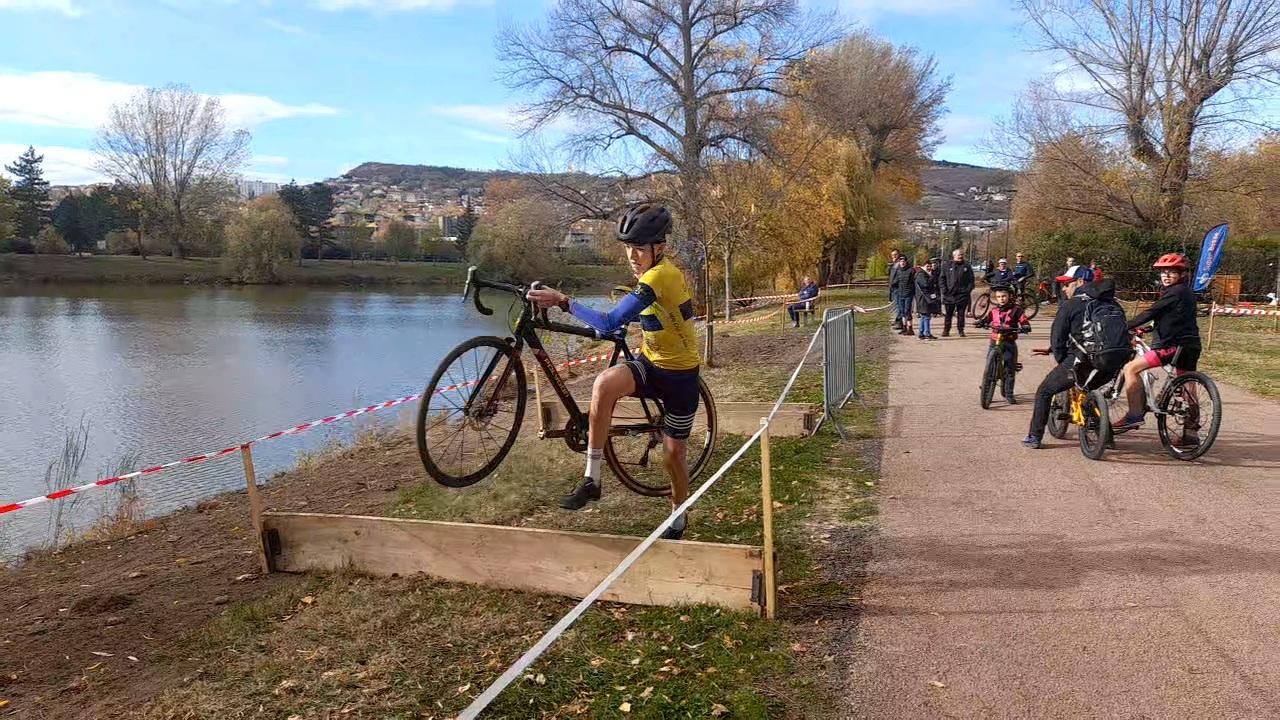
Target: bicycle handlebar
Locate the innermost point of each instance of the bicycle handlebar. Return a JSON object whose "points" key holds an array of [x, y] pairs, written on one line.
{"points": [[475, 282]]}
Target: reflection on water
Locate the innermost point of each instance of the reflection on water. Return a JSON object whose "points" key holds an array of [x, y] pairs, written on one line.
{"points": [[167, 372]]}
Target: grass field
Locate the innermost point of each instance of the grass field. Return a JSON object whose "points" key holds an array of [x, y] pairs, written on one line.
{"points": [[346, 645], [167, 270], [1245, 351]]}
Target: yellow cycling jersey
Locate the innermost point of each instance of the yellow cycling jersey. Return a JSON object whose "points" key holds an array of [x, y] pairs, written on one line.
{"points": [[669, 339]]}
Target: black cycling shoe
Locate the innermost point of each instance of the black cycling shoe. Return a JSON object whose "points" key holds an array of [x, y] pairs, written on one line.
{"points": [[676, 529], [586, 491]]}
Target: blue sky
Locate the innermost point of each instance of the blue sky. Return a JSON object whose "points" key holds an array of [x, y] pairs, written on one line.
{"points": [[326, 84]]}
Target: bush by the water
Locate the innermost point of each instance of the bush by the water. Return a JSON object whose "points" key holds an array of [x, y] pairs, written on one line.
{"points": [[259, 237], [518, 242]]}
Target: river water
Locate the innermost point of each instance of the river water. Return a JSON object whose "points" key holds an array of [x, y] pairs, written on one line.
{"points": [[162, 372]]}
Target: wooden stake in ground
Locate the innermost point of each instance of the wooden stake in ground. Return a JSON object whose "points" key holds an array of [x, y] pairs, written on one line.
{"points": [[709, 347], [766, 516], [1213, 310], [255, 503]]}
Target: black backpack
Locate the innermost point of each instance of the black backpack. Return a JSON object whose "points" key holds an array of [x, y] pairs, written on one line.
{"points": [[1104, 335]]}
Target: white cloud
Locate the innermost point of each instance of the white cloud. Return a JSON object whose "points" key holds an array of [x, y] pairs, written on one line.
{"points": [[82, 100], [485, 137], [63, 6], [493, 116], [62, 165], [965, 129], [285, 27], [390, 5]]}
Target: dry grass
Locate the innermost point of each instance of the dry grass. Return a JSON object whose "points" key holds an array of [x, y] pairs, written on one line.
{"points": [[1245, 351]]}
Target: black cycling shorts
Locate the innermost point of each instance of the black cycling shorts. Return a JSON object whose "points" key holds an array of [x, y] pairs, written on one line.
{"points": [[677, 390]]}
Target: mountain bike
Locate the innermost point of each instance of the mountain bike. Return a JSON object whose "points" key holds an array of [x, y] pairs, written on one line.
{"points": [[473, 408], [1083, 405], [1029, 300], [1188, 408], [995, 371]]}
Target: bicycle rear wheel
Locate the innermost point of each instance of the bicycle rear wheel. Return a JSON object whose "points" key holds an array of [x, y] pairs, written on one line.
{"points": [[635, 451], [1184, 406], [471, 411], [1059, 414], [981, 306], [989, 378], [1030, 304], [1095, 434]]}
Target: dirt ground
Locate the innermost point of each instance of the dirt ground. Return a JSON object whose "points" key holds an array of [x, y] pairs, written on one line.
{"points": [[1017, 583], [91, 631]]}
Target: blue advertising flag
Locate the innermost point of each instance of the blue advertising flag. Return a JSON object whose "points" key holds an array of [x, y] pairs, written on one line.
{"points": [[1210, 256]]}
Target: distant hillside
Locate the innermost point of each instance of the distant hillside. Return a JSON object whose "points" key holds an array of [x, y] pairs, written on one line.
{"points": [[425, 177], [947, 193]]}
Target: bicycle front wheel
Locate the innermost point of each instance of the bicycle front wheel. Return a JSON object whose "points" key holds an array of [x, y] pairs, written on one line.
{"points": [[1190, 411], [1095, 434], [989, 376], [471, 411], [636, 453]]}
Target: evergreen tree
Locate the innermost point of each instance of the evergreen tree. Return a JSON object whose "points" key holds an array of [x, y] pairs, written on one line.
{"points": [[8, 215], [31, 193], [311, 206], [466, 225]]}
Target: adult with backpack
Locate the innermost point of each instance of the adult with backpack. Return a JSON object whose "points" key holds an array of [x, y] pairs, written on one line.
{"points": [[1087, 331]]}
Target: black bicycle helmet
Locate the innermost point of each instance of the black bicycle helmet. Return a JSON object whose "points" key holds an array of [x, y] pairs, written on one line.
{"points": [[644, 224], [1000, 286]]}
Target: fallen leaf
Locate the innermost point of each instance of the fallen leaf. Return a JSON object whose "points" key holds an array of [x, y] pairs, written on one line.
{"points": [[246, 576], [99, 653], [935, 683], [625, 707], [132, 658], [597, 661], [464, 688], [685, 618], [308, 600], [540, 679], [635, 661], [648, 692], [3, 703], [717, 710], [799, 647]]}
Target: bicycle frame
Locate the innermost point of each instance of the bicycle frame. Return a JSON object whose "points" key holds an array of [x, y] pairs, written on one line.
{"points": [[525, 332]]}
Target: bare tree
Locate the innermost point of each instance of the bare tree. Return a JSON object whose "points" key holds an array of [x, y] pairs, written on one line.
{"points": [[887, 99], [171, 143], [1158, 73], [676, 80]]}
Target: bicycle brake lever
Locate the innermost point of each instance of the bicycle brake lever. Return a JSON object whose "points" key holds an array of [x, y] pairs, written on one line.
{"points": [[537, 285]]}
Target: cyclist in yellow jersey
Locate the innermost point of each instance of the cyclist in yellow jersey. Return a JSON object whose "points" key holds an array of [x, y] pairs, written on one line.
{"points": [[667, 367]]}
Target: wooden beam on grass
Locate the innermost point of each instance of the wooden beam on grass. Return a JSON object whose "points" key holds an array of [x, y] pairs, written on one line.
{"points": [[550, 561]]}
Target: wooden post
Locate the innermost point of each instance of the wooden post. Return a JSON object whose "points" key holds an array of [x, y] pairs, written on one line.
{"points": [[1208, 343], [537, 394], [708, 349], [766, 516], [255, 503]]}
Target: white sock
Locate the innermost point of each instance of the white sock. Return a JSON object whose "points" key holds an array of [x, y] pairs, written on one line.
{"points": [[594, 456]]}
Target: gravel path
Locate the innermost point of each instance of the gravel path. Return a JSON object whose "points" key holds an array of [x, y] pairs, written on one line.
{"points": [[1013, 583]]}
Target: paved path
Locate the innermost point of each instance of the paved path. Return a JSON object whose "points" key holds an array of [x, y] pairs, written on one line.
{"points": [[1040, 584]]}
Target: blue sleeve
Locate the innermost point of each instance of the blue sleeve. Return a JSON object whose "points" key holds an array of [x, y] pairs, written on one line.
{"points": [[625, 311]]}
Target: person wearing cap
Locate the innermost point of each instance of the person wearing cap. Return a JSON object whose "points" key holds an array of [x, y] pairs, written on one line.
{"points": [[1062, 376], [1064, 296], [956, 283], [1001, 274]]}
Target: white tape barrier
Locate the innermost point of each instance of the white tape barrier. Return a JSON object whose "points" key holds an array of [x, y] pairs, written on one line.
{"points": [[504, 680]]}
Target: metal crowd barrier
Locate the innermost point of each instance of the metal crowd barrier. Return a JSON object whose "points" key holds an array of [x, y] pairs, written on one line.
{"points": [[839, 372]]}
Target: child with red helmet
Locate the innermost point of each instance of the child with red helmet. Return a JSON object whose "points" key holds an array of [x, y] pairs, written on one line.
{"points": [[1177, 337]]}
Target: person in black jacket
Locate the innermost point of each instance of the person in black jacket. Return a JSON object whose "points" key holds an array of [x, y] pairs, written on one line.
{"points": [[1068, 321], [1177, 339], [927, 302], [893, 288], [904, 289], [956, 283]]}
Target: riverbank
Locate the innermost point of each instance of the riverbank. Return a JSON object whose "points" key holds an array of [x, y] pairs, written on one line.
{"points": [[109, 269], [176, 621]]}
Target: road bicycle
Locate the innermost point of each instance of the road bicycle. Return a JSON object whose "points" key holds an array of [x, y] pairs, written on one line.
{"points": [[473, 408], [1030, 299], [996, 371], [1187, 408]]}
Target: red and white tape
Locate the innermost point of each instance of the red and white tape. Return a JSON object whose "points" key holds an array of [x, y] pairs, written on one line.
{"points": [[748, 320], [1269, 311]]}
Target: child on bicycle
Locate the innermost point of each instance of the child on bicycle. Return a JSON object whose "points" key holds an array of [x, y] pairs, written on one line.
{"points": [[1177, 339], [1007, 321], [666, 368]]}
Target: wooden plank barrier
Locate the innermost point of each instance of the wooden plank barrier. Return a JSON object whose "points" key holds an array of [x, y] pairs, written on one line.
{"points": [[738, 418], [550, 561]]}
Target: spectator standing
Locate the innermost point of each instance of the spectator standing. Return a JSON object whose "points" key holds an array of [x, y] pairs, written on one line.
{"points": [[928, 303], [894, 256], [904, 290], [1000, 274], [808, 291], [1097, 271], [956, 284], [1022, 271]]}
